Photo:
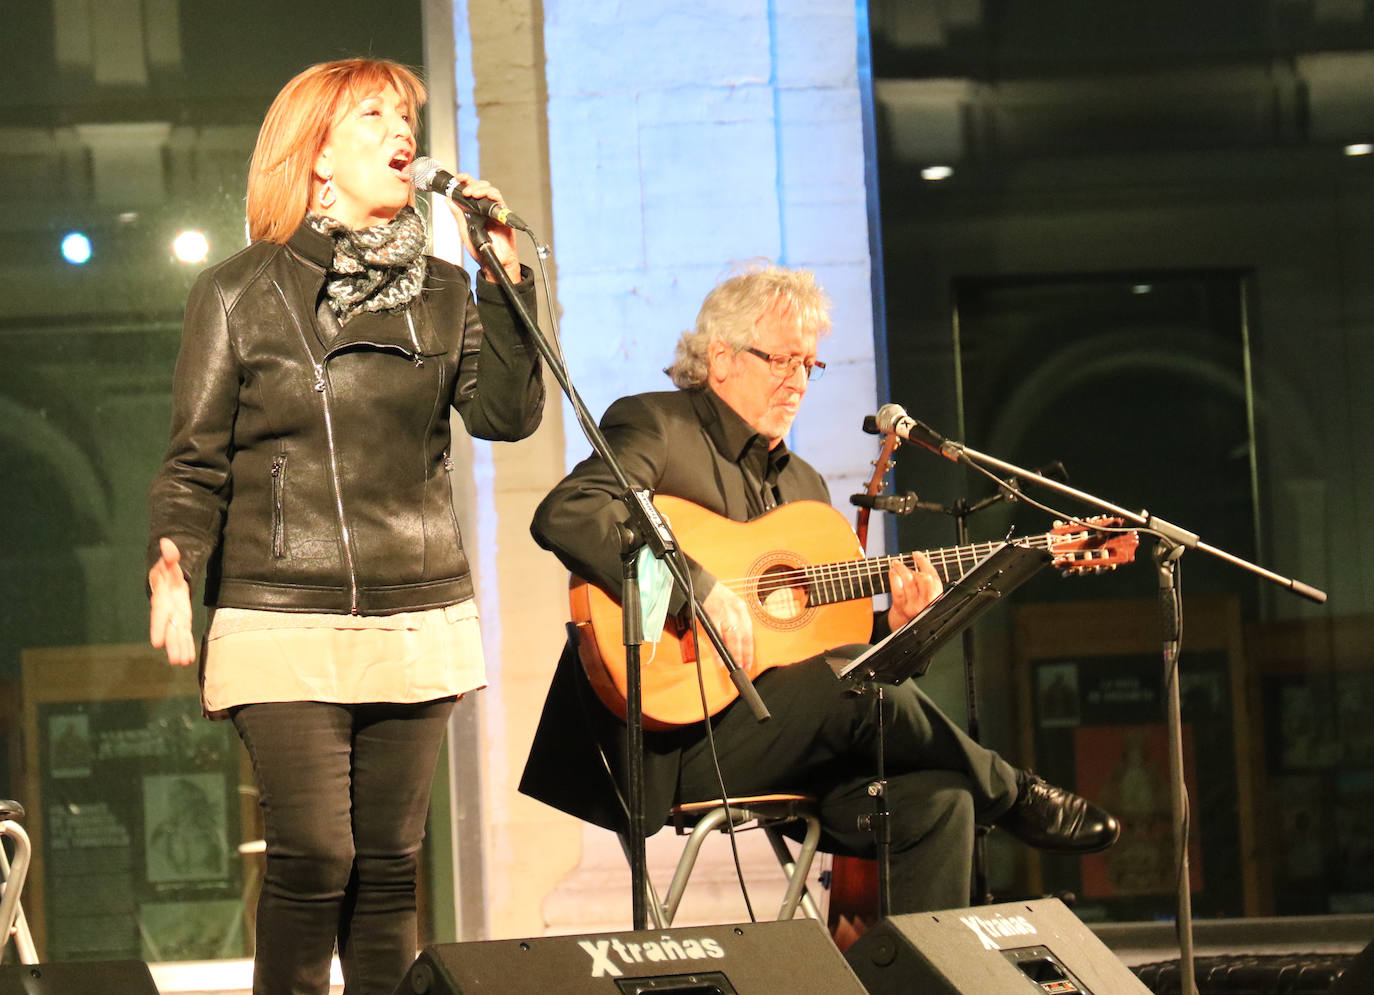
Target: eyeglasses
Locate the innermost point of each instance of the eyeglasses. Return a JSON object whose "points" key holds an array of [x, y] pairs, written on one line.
{"points": [[784, 367]]}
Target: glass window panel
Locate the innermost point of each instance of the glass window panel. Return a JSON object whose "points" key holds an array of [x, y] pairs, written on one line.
{"points": [[123, 124], [1143, 261]]}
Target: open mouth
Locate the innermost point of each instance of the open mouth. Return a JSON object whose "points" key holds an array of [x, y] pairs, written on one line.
{"points": [[400, 162]]}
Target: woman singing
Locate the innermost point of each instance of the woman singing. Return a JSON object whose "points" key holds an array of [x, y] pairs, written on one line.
{"points": [[307, 481]]}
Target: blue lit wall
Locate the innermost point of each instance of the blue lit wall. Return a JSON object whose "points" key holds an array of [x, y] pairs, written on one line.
{"points": [[684, 138]]}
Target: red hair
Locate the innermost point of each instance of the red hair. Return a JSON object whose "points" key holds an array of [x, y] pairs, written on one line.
{"points": [[297, 126]]}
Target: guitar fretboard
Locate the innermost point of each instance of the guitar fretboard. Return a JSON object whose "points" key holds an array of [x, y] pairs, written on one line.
{"points": [[845, 581]]}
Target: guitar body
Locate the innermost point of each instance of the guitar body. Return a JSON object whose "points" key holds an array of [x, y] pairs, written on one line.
{"points": [[853, 898], [758, 560], [796, 569]]}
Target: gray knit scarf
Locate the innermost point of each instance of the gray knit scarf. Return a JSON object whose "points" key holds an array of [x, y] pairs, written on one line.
{"points": [[377, 268]]}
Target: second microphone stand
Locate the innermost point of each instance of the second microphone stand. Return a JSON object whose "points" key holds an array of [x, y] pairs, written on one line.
{"points": [[960, 511]]}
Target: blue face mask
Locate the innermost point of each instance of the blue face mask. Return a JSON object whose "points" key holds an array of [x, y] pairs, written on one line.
{"points": [[655, 588]]}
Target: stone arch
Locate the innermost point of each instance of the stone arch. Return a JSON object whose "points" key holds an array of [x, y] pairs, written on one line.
{"points": [[1167, 350], [27, 431]]}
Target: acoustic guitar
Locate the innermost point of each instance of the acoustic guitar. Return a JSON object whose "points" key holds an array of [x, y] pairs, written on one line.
{"points": [[800, 570]]}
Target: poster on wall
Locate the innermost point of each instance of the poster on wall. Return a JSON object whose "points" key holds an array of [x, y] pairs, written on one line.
{"points": [[1099, 729], [1126, 770], [1320, 747], [140, 831]]}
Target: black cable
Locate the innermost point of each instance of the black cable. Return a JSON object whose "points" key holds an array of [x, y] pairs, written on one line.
{"points": [[1011, 485], [711, 742], [1171, 679]]}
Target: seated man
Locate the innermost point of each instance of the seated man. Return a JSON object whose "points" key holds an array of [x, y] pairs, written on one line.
{"points": [[718, 442]]}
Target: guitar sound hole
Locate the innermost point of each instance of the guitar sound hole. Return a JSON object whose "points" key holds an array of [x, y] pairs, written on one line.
{"points": [[779, 601]]}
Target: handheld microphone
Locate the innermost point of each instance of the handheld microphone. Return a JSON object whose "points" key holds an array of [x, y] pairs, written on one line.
{"points": [[428, 176], [893, 418]]}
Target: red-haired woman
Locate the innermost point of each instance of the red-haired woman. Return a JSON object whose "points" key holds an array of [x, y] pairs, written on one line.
{"points": [[307, 483]]}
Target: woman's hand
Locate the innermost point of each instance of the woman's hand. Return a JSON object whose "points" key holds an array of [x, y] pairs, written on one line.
{"points": [[502, 237], [731, 615], [911, 589], [169, 607]]}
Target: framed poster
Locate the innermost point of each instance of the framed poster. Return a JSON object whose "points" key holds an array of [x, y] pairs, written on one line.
{"points": [[134, 808], [1093, 688], [1316, 684]]}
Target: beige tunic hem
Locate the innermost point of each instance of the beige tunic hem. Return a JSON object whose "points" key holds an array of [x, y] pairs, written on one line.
{"points": [[253, 656]]}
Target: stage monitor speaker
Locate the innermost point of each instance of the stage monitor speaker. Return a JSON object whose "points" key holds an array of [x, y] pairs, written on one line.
{"points": [[109, 977], [1358, 976], [765, 958], [1037, 946]]}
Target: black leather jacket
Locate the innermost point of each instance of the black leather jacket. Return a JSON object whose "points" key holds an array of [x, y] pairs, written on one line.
{"points": [[308, 465]]}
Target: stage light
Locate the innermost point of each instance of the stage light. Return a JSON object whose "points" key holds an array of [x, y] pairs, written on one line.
{"points": [[1359, 148], [191, 246], [76, 248], [936, 173]]}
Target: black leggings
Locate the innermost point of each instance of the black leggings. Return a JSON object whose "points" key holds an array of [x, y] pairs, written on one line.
{"points": [[344, 791]]}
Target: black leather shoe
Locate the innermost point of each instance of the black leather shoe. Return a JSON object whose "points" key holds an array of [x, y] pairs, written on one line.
{"points": [[1051, 818]]}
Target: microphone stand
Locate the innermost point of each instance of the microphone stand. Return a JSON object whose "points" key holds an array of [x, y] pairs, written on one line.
{"points": [[1173, 542], [960, 511], [1166, 556], [645, 526], [879, 821]]}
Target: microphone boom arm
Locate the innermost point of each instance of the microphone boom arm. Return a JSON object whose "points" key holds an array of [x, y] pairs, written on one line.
{"points": [[959, 452]]}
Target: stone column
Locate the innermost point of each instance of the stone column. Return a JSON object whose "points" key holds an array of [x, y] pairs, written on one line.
{"points": [[653, 146]]}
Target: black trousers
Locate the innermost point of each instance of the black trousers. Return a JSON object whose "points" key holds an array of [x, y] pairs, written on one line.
{"points": [[822, 741], [344, 791]]}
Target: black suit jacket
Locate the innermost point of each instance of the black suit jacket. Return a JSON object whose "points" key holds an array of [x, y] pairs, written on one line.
{"points": [[687, 444]]}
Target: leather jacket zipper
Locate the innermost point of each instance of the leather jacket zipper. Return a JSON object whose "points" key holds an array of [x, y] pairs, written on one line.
{"points": [[410, 323], [321, 385], [452, 512], [278, 495]]}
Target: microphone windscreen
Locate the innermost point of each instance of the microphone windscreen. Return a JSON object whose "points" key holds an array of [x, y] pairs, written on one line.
{"points": [[423, 171], [888, 417]]}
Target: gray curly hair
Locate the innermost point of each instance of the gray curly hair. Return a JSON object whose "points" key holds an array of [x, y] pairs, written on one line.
{"points": [[731, 311]]}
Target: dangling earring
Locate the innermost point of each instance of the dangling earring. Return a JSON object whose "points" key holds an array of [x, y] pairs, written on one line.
{"points": [[327, 192]]}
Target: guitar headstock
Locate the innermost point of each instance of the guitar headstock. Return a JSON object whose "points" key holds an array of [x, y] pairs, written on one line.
{"points": [[1080, 547]]}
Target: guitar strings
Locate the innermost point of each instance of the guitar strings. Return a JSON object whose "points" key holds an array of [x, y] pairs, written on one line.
{"points": [[846, 580], [867, 569]]}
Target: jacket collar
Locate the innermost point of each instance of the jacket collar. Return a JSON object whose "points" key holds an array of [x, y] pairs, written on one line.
{"points": [[734, 437], [312, 246], [384, 329]]}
